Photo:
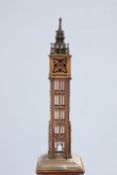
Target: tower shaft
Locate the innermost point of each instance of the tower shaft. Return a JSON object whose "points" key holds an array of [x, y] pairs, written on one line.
{"points": [[60, 75], [59, 126]]}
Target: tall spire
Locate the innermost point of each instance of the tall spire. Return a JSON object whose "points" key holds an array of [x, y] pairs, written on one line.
{"points": [[59, 46], [60, 23]]}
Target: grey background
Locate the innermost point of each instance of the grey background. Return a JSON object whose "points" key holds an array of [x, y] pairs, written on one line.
{"points": [[26, 30]]}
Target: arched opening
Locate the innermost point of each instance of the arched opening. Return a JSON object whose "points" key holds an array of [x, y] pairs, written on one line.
{"points": [[59, 147]]}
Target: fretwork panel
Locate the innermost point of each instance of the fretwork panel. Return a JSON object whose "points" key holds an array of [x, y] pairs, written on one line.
{"points": [[60, 65]]}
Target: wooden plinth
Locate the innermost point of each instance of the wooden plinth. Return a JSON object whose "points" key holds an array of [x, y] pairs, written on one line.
{"points": [[59, 165]]}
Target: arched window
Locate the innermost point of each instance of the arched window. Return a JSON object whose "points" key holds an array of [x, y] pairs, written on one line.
{"points": [[56, 114], [62, 114], [56, 84], [62, 85], [62, 99], [56, 129], [56, 100], [62, 129]]}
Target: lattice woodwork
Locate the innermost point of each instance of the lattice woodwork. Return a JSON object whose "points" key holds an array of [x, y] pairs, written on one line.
{"points": [[59, 66]]}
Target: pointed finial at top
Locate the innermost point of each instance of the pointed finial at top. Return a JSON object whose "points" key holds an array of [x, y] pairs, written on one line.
{"points": [[60, 23], [59, 46]]}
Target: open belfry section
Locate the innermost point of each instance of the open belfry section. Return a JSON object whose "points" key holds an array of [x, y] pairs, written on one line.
{"points": [[59, 159]]}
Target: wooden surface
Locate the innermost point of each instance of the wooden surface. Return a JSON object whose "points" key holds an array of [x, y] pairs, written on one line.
{"points": [[59, 165]]}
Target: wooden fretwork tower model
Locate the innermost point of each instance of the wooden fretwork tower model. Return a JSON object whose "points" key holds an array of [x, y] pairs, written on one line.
{"points": [[60, 75], [59, 159]]}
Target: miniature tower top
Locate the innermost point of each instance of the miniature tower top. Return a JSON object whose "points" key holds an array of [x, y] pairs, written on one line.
{"points": [[59, 46]]}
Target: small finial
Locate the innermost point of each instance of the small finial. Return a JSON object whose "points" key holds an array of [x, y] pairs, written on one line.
{"points": [[60, 23]]}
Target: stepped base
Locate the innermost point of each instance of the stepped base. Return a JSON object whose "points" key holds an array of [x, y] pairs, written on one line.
{"points": [[59, 165]]}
